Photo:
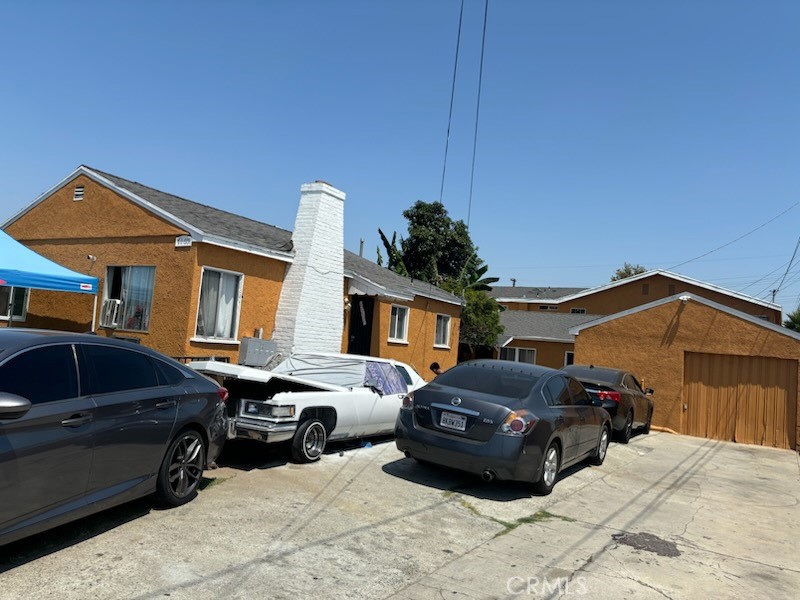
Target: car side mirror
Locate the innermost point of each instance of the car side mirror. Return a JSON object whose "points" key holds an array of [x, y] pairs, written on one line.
{"points": [[13, 406], [648, 391]]}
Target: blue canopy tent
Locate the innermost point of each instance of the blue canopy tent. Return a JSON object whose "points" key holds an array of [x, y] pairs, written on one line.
{"points": [[23, 268]]}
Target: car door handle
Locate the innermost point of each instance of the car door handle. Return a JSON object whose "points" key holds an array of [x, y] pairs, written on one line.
{"points": [[166, 404], [76, 420]]}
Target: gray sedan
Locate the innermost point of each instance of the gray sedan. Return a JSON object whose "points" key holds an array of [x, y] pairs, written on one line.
{"points": [[504, 420]]}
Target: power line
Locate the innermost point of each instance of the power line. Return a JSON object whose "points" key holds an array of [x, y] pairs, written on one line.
{"points": [[733, 241], [452, 96], [477, 112], [791, 260]]}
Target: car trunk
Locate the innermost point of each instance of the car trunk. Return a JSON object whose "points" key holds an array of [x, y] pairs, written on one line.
{"points": [[462, 413]]}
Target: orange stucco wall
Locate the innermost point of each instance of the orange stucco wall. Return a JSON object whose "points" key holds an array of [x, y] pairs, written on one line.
{"points": [[548, 354], [629, 295], [652, 343], [419, 352]]}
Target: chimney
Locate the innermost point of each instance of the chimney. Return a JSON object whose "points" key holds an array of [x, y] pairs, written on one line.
{"points": [[309, 316]]}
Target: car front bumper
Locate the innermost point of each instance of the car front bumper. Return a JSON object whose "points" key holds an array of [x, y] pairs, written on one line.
{"points": [[506, 457], [260, 429]]}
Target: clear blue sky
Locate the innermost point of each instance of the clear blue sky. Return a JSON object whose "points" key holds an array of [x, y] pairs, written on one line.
{"points": [[640, 131]]}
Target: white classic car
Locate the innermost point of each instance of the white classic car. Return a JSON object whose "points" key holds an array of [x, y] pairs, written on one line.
{"points": [[312, 398]]}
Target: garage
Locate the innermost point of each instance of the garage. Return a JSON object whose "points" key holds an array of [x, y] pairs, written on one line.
{"points": [[747, 399], [717, 372]]}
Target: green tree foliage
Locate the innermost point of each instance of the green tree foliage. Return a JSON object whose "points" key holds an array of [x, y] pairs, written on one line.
{"points": [[627, 270], [440, 251], [793, 320]]}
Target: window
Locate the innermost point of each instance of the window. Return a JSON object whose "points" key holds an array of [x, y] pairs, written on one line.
{"points": [[169, 375], [115, 370], [398, 326], [569, 358], [404, 374], [579, 395], [78, 194], [548, 307], [526, 355], [20, 304], [577, 311], [41, 375], [134, 286], [630, 382], [498, 382], [645, 289], [442, 337], [556, 392], [218, 313]]}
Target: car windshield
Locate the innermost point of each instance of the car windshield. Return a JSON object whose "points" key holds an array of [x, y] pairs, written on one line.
{"points": [[506, 384]]}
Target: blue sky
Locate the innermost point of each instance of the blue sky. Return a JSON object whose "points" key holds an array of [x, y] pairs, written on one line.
{"points": [[640, 131]]}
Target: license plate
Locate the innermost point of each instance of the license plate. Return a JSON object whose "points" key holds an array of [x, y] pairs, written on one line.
{"points": [[453, 421]]}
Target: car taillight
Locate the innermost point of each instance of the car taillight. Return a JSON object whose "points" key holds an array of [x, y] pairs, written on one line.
{"points": [[519, 422], [408, 402], [223, 394], [609, 395]]}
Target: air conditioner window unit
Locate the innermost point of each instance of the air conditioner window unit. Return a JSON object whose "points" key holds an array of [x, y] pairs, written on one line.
{"points": [[110, 313]]}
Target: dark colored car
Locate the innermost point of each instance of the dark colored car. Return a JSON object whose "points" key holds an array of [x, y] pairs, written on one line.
{"points": [[621, 395], [88, 422], [503, 420]]}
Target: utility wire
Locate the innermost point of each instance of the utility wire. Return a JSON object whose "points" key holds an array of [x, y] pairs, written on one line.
{"points": [[733, 241], [452, 96], [791, 260], [477, 112]]}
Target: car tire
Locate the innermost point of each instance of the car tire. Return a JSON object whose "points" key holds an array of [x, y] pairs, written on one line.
{"points": [[602, 446], [627, 431], [309, 441], [550, 464], [182, 469], [646, 429]]}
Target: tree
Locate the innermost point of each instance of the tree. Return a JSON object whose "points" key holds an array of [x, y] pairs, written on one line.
{"points": [[627, 270], [440, 251], [793, 320]]}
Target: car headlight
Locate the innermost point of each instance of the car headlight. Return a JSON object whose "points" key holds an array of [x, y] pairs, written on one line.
{"points": [[258, 408]]}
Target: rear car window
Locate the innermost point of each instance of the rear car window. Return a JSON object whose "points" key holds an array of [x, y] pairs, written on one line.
{"points": [[404, 374], [41, 375], [114, 369], [487, 381]]}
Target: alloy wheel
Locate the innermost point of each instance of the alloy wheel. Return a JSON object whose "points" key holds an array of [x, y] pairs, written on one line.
{"points": [[186, 465]]}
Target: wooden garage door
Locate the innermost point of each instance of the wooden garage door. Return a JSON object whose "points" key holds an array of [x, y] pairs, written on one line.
{"points": [[747, 399]]}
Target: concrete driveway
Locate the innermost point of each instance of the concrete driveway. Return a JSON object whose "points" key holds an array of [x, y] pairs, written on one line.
{"points": [[665, 517]]}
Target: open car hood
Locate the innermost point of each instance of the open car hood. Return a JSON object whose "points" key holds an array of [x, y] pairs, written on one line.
{"points": [[212, 367]]}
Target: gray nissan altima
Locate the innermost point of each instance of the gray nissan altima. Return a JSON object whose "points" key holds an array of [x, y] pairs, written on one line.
{"points": [[504, 420], [88, 422]]}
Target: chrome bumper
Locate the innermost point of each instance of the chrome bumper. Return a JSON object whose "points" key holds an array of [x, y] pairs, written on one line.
{"points": [[261, 430]]}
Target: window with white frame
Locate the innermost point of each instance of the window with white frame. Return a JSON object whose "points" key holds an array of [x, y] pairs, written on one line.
{"points": [[526, 355], [134, 287], [398, 325], [442, 336], [569, 358], [218, 311], [19, 307]]}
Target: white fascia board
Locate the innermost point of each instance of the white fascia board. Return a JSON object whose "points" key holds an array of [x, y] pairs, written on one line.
{"points": [[43, 196], [234, 245], [529, 300], [370, 288], [689, 298], [537, 338]]}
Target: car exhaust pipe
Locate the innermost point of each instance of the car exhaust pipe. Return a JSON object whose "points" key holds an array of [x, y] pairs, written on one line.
{"points": [[487, 475], [407, 453]]}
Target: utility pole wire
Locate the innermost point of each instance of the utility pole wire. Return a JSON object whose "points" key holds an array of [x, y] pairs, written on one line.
{"points": [[452, 95], [791, 260], [477, 112], [733, 241]]}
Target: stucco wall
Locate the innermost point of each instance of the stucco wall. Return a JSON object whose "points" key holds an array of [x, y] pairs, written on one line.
{"points": [[651, 343], [629, 295], [548, 354], [419, 352]]}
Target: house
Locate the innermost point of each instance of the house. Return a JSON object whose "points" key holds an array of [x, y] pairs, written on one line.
{"points": [[718, 372], [550, 343], [191, 280]]}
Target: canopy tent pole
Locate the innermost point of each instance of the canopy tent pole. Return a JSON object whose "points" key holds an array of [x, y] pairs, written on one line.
{"points": [[11, 306], [94, 313]]}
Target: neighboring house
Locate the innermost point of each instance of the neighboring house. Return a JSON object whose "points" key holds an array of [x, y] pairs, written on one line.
{"points": [[191, 280], [548, 343], [717, 372]]}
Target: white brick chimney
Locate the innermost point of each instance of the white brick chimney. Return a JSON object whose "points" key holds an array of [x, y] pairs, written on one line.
{"points": [[309, 316]]}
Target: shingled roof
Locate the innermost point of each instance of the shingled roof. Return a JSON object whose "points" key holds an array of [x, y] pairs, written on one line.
{"points": [[215, 225], [532, 293], [545, 326]]}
